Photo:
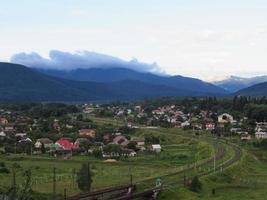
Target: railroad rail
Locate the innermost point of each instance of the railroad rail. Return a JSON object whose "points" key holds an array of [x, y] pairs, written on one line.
{"points": [[149, 193], [105, 193], [126, 192], [228, 163]]}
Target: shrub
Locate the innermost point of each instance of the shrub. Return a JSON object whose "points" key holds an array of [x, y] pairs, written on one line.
{"points": [[4, 170], [195, 185]]}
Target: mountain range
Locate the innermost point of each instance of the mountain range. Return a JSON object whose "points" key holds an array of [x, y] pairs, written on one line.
{"points": [[234, 83], [21, 83], [186, 85], [257, 90]]}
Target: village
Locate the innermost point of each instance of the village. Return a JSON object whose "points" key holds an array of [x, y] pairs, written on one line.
{"points": [[76, 133]]}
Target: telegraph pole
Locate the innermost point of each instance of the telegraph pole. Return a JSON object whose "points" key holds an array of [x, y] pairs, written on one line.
{"points": [[14, 182], [15, 150], [88, 175], [214, 163], [54, 183], [65, 194]]}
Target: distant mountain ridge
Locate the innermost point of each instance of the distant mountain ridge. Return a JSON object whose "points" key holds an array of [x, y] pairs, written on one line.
{"points": [[20, 83], [234, 83], [106, 75], [257, 90]]}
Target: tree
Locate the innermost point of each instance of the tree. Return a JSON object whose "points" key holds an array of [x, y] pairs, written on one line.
{"points": [[43, 150], [84, 178], [132, 145], [97, 153], [196, 185]]}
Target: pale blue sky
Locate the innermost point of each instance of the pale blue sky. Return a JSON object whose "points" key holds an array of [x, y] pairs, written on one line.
{"points": [[201, 38]]}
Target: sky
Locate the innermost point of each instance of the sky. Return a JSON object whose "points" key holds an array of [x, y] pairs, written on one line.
{"points": [[207, 39]]}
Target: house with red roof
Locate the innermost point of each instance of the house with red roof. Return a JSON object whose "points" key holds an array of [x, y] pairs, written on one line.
{"points": [[66, 144]]}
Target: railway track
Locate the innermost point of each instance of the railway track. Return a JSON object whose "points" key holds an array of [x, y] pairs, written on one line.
{"points": [[126, 192], [224, 165]]}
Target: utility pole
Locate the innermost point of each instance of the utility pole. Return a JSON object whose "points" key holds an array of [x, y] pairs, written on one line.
{"points": [[14, 182], [54, 183], [131, 179], [88, 175], [65, 194], [73, 177], [15, 150], [184, 180], [214, 163]]}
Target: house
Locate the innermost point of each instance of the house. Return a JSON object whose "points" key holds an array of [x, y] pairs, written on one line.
{"points": [[121, 140], [66, 144], [2, 134], [235, 130], [156, 148], [245, 137], [20, 135], [139, 141], [25, 140], [87, 133], [261, 135], [106, 138], [197, 126], [158, 112], [9, 128], [69, 126], [88, 110], [56, 125], [261, 126], [185, 124], [210, 126], [225, 118], [3, 121], [43, 141], [138, 109]]}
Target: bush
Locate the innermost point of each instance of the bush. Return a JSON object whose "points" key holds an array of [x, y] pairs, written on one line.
{"points": [[97, 153], [4, 170], [2, 164], [195, 185]]}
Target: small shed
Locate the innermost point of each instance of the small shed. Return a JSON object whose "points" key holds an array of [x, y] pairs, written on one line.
{"points": [[156, 148]]}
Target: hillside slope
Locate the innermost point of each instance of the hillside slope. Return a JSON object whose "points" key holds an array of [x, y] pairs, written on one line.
{"points": [[255, 90], [20, 83], [107, 75]]}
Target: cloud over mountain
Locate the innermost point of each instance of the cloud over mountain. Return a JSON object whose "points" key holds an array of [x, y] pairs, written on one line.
{"points": [[82, 60]]}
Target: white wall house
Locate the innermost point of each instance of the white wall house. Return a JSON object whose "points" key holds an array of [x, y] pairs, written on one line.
{"points": [[261, 135], [225, 118]]}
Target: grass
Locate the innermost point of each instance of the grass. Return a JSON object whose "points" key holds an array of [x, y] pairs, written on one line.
{"points": [[180, 149], [245, 180], [177, 152]]}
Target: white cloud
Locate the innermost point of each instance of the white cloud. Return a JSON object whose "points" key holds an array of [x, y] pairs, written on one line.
{"points": [[80, 60]]}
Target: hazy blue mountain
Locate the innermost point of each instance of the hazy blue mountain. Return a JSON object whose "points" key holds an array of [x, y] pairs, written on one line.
{"points": [[255, 90], [97, 67], [122, 74], [20, 83], [234, 83]]}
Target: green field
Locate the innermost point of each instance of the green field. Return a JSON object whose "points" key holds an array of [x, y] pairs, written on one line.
{"points": [[246, 179], [178, 151]]}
